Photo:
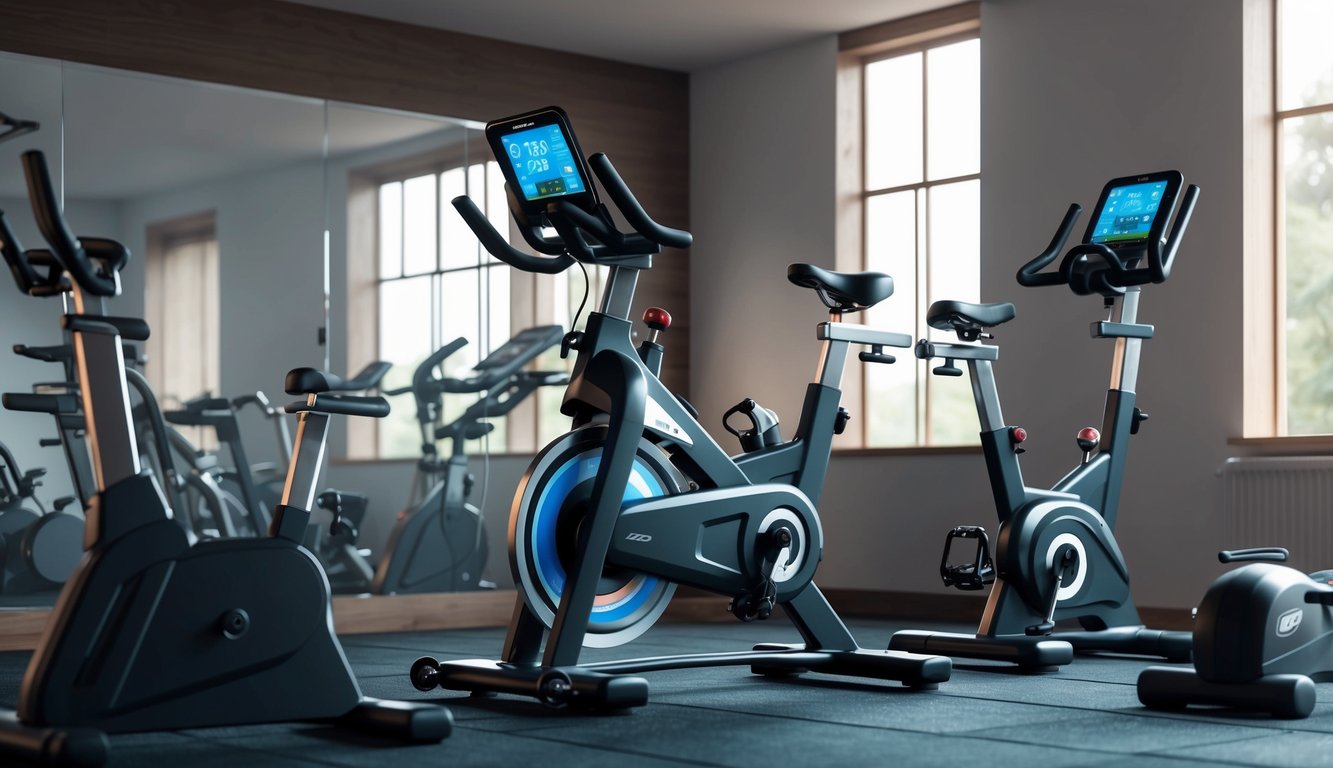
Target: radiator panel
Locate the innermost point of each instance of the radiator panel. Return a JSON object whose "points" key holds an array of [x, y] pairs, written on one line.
{"points": [[1282, 501]]}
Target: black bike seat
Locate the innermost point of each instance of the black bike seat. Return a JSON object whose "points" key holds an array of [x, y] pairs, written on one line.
{"points": [[844, 291], [953, 315], [312, 381]]}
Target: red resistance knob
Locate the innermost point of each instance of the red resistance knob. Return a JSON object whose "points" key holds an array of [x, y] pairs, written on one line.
{"points": [[1018, 434], [1089, 434], [657, 318]]}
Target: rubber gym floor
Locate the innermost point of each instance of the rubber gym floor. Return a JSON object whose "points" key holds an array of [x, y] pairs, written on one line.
{"points": [[1087, 714]]}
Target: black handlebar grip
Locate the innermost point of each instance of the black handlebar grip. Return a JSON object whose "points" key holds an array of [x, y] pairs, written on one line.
{"points": [[425, 373], [638, 218], [1028, 273], [343, 405], [502, 250], [1271, 554], [51, 222], [1159, 263]]}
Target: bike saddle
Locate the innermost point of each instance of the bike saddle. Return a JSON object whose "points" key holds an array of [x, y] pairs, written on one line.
{"points": [[965, 316], [842, 291]]}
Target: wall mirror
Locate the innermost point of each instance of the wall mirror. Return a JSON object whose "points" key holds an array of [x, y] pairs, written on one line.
{"points": [[270, 231]]}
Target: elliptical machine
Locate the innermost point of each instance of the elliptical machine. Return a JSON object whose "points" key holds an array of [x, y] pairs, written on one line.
{"points": [[603, 526], [1056, 556], [151, 632], [1263, 636], [439, 542]]}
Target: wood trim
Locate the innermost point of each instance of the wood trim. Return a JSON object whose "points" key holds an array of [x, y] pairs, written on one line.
{"points": [[1262, 387], [360, 614], [1303, 444], [956, 21], [20, 630]]}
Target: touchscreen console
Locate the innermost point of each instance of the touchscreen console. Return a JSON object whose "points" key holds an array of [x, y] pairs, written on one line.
{"points": [[1131, 207], [541, 159]]}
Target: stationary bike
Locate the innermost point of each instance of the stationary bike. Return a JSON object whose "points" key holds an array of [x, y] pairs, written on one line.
{"points": [[638, 498], [1263, 636], [1056, 556], [439, 542], [151, 632]]}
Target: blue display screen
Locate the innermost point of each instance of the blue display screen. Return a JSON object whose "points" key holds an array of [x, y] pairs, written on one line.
{"points": [[543, 162], [1128, 213]]}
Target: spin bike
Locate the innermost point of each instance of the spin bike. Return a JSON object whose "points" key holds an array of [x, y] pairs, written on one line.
{"points": [[438, 543], [38, 547], [1056, 556], [1263, 636], [638, 498], [151, 632]]}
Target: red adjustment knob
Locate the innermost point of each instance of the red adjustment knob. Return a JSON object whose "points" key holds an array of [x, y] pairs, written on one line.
{"points": [[657, 318], [1089, 434], [1018, 434]]}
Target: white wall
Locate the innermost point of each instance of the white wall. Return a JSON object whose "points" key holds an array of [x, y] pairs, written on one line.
{"points": [[1063, 110]]}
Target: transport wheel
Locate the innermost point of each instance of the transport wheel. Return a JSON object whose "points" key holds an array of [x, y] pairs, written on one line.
{"points": [[425, 673], [549, 509]]}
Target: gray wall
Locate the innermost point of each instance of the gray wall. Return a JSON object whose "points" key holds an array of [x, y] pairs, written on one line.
{"points": [[1062, 111], [34, 322]]}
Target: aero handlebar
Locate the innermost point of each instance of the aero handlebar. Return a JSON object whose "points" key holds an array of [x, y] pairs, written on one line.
{"points": [[73, 255]]}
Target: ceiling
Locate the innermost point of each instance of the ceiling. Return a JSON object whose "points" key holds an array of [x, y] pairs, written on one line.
{"points": [[684, 35]]}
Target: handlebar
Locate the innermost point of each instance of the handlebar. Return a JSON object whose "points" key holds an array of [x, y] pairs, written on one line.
{"points": [[1028, 273], [500, 248], [73, 255], [575, 226], [1161, 254], [638, 218]]}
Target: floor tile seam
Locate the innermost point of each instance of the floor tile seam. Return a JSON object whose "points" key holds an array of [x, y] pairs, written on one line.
{"points": [[239, 745], [1260, 731], [529, 734]]}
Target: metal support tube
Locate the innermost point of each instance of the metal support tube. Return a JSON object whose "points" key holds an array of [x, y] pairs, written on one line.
{"points": [[986, 394], [307, 459], [618, 296], [1125, 360]]}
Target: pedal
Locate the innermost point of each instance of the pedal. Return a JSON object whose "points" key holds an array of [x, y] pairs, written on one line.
{"points": [[970, 576], [759, 603]]}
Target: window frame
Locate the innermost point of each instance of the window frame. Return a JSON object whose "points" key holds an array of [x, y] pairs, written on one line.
{"points": [[367, 181], [859, 49]]}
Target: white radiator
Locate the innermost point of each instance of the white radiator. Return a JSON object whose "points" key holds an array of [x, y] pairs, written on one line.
{"points": [[1281, 501]]}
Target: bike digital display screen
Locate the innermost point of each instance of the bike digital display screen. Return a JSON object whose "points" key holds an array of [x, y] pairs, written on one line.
{"points": [[1128, 213], [1131, 208], [543, 162]]}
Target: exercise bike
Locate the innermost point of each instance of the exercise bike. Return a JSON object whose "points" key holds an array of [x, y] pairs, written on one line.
{"points": [[1263, 636], [1056, 556], [151, 632], [638, 498], [439, 542]]}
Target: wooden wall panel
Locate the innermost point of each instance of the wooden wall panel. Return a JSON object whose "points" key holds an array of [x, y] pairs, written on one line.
{"points": [[637, 115]]}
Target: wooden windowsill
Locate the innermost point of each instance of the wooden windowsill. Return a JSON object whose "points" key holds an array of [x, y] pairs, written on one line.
{"points": [[1287, 444]]}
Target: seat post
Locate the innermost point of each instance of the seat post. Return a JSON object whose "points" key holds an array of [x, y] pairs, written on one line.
{"points": [[307, 459], [833, 355]]}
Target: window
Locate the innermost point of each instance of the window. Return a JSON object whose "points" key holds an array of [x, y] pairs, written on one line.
{"points": [[432, 283], [434, 286], [181, 306], [1304, 190], [920, 212]]}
